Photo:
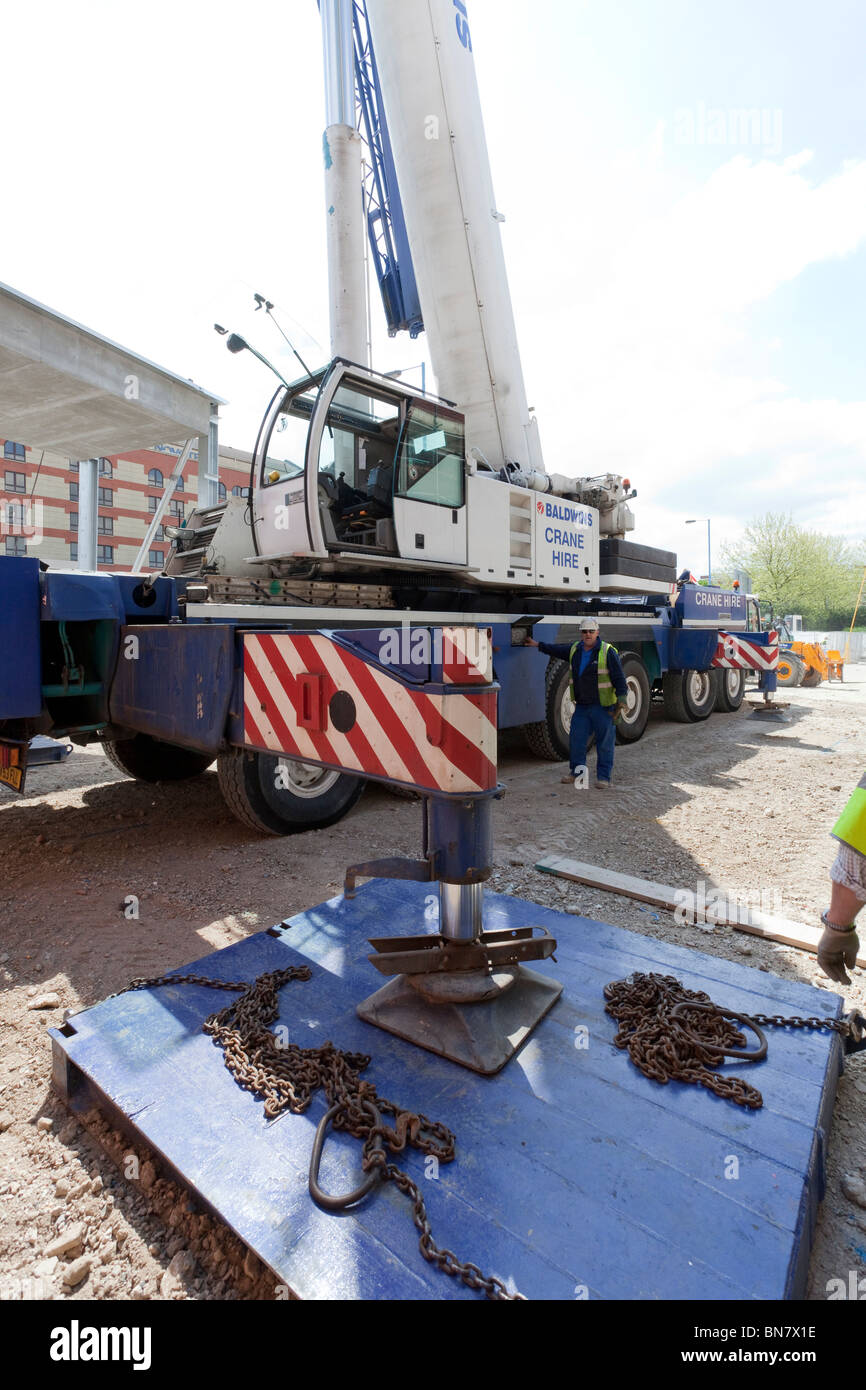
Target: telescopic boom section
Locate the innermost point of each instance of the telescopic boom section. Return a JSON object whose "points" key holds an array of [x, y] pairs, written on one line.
{"points": [[347, 275], [427, 74]]}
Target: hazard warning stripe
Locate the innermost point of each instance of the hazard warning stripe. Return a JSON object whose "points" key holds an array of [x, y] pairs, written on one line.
{"points": [[447, 742], [363, 748], [467, 656], [738, 653]]}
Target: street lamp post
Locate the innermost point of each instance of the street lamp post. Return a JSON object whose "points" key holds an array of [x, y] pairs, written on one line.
{"points": [[692, 522]]}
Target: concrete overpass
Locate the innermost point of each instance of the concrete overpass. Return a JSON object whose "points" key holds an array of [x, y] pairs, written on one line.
{"points": [[67, 389]]}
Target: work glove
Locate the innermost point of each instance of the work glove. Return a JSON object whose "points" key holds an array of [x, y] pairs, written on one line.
{"points": [[618, 711], [837, 948]]}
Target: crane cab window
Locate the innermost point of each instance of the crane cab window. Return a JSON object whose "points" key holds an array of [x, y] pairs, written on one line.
{"points": [[356, 464], [432, 457], [287, 445]]}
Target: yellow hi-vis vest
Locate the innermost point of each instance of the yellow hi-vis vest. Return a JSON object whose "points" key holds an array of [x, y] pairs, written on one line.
{"points": [[850, 828], [606, 693]]}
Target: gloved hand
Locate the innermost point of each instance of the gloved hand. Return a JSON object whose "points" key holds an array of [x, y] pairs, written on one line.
{"points": [[837, 948], [618, 711]]}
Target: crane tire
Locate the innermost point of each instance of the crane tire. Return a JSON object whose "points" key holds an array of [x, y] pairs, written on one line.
{"points": [[730, 689], [688, 695], [148, 759], [548, 738], [309, 798]]}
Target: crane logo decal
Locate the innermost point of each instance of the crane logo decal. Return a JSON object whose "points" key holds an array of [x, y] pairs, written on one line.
{"points": [[462, 21]]}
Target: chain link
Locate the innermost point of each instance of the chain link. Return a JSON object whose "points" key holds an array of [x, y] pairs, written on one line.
{"points": [[665, 1047], [286, 1077]]}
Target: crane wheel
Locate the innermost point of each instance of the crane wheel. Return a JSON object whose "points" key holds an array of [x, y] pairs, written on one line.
{"points": [[548, 738], [149, 760], [689, 696], [632, 723], [730, 689], [277, 796]]}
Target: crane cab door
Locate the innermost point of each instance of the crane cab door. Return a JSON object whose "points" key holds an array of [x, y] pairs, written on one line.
{"points": [[384, 472], [350, 464], [430, 485]]}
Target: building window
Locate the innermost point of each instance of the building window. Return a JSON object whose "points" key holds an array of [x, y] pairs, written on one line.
{"points": [[15, 482], [105, 554], [178, 487], [152, 504], [17, 452], [238, 491], [105, 467], [73, 465], [105, 526], [155, 558], [73, 521], [16, 545], [160, 533], [73, 551], [73, 492], [106, 497], [155, 478], [177, 510], [221, 487]]}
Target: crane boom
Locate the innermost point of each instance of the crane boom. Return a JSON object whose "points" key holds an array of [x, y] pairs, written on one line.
{"points": [[430, 93]]}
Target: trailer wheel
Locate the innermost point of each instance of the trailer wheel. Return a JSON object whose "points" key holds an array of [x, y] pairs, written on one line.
{"points": [[688, 695], [548, 738], [280, 797], [632, 723], [149, 760], [730, 689]]}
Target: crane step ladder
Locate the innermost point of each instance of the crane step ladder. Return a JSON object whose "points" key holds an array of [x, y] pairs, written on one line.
{"points": [[574, 1175]]}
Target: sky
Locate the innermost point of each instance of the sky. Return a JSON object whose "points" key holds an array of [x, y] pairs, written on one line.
{"points": [[684, 188]]}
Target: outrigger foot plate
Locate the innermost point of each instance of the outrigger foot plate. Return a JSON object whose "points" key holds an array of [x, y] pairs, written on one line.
{"points": [[482, 1036]]}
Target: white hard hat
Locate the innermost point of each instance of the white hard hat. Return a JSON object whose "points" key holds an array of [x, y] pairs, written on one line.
{"points": [[589, 625]]}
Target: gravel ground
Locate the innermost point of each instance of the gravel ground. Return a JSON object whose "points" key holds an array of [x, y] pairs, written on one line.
{"points": [[743, 805]]}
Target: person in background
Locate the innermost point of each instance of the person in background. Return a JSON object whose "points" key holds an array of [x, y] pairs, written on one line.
{"points": [[599, 690], [839, 942]]}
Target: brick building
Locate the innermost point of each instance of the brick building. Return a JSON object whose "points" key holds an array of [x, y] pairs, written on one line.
{"points": [[130, 486]]}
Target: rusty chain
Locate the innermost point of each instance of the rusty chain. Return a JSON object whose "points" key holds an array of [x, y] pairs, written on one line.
{"points": [[287, 1076], [677, 1034]]}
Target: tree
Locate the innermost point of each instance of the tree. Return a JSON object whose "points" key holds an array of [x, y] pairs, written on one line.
{"points": [[800, 571]]}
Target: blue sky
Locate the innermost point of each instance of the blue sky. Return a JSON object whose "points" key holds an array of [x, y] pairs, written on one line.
{"points": [[688, 279]]}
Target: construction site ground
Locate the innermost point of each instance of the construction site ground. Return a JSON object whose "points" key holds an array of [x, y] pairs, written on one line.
{"points": [[735, 803]]}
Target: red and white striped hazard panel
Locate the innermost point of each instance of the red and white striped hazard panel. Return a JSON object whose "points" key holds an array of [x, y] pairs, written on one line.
{"points": [[308, 697], [739, 650], [467, 655]]}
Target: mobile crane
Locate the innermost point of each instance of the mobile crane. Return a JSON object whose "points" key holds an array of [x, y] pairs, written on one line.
{"points": [[373, 503]]}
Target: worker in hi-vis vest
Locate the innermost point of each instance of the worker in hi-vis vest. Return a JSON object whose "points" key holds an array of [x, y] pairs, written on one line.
{"points": [[839, 942], [599, 691]]}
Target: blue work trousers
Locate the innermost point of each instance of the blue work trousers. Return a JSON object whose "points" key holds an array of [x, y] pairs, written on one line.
{"points": [[592, 719]]}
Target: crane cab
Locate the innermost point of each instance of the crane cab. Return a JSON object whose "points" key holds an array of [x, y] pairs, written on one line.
{"points": [[355, 469]]}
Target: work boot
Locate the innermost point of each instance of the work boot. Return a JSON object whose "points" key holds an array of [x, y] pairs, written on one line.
{"points": [[602, 785], [567, 779]]}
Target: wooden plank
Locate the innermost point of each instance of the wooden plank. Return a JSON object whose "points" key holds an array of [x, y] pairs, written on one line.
{"points": [[722, 910]]}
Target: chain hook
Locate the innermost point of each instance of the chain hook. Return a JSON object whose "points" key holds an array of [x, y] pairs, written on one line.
{"points": [[327, 1200]]}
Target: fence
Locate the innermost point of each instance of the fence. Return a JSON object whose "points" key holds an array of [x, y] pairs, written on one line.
{"points": [[837, 640]]}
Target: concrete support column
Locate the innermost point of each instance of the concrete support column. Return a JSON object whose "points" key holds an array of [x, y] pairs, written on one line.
{"points": [[88, 512]]}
